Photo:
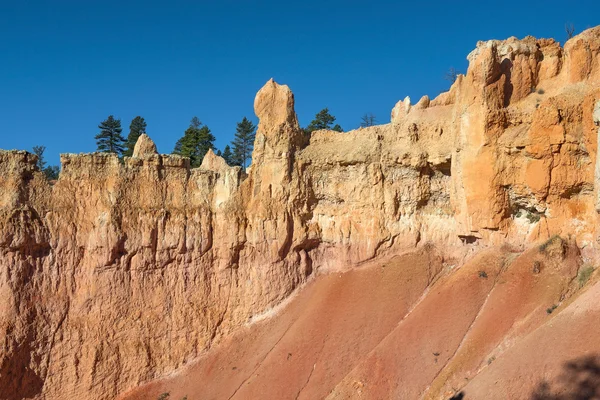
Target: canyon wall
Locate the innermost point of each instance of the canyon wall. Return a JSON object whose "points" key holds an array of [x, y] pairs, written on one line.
{"points": [[123, 271]]}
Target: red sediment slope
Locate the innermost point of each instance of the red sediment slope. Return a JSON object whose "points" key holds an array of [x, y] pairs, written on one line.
{"points": [[306, 349], [411, 328]]}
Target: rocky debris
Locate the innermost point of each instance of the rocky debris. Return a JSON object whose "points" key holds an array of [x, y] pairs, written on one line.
{"points": [[121, 272]]}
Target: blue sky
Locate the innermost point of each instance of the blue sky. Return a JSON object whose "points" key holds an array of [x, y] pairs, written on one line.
{"points": [[66, 65]]}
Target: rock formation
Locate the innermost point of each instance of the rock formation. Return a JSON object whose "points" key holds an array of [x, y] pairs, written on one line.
{"points": [[124, 271]]}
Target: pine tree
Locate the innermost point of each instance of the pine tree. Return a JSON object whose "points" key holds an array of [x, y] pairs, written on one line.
{"points": [[195, 142], [178, 145], [110, 140], [39, 152], [243, 142], [195, 122], [136, 129], [50, 171], [228, 155], [323, 120]]}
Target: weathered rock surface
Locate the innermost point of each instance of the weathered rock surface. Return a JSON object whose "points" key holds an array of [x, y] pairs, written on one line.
{"points": [[121, 272], [407, 327], [144, 147]]}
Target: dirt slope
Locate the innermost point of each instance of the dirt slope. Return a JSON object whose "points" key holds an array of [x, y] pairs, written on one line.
{"points": [[412, 327]]}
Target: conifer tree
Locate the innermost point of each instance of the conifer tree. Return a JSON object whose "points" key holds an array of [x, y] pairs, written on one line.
{"points": [[243, 142], [39, 152], [178, 145], [50, 171], [323, 120], [228, 155], [195, 142], [136, 128], [110, 140]]}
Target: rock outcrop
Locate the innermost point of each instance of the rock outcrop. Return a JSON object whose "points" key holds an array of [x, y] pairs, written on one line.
{"points": [[123, 271], [144, 147]]}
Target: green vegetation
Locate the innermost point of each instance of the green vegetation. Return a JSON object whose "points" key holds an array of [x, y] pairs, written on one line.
{"points": [[242, 143], [533, 217], [551, 309], [136, 128], [50, 171], [227, 155], [518, 214], [584, 275], [323, 120], [197, 139], [109, 140], [483, 274], [544, 246], [195, 142], [39, 152]]}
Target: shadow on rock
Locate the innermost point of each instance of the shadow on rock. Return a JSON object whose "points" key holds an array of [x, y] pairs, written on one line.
{"points": [[580, 380]]}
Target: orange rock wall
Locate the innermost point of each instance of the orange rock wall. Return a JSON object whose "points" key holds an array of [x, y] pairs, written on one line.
{"points": [[121, 272]]}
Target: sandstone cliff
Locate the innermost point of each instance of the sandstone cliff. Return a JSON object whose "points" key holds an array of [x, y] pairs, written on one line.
{"points": [[122, 272]]}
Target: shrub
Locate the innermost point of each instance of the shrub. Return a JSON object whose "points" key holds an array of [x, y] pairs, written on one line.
{"points": [[483, 274], [164, 396], [584, 275], [541, 91], [544, 246], [518, 214], [551, 309], [533, 217]]}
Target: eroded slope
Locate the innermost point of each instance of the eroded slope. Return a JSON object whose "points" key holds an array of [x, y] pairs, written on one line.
{"points": [[412, 327]]}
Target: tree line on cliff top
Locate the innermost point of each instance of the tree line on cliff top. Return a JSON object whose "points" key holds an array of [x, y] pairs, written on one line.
{"points": [[198, 139], [195, 142]]}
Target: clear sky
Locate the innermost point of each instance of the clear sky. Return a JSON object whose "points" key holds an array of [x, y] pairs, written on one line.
{"points": [[66, 65]]}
